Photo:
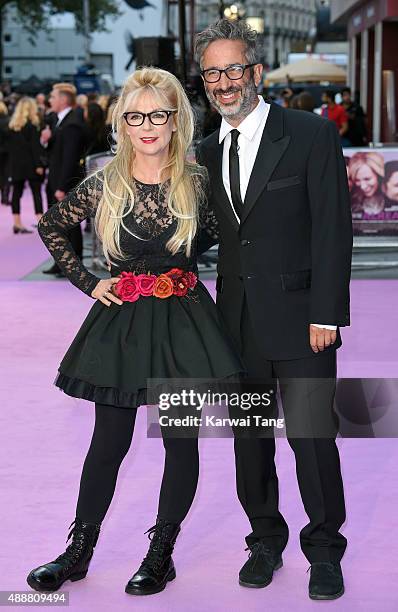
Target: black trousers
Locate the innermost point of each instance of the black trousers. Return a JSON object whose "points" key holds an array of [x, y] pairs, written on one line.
{"points": [[75, 234], [113, 432], [317, 458], [17, 191]]}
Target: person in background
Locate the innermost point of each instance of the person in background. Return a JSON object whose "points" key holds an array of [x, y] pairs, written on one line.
{"points": [[95, 132], [356, 132], [336, 113], [81, 105], [390, 184], [25, 159], [103, 102], [305, 102], [65, 149], [41, 104], [4, 183], [367, 174]]}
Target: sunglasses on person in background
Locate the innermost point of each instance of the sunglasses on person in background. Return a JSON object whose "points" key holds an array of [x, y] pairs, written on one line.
{"points": [[234, 72], [158, 117]]}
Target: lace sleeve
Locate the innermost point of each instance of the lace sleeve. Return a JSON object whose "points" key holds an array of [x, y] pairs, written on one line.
{"points": [[79, 204], [208, 227]]}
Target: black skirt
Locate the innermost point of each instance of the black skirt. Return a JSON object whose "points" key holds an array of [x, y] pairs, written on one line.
{"points": [[118, 348]]}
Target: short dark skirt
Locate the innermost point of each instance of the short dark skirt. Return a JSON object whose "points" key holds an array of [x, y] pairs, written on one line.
{"points": [[118, 348]]}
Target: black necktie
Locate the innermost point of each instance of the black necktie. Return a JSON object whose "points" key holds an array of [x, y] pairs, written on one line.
{"points": [[234, 177]]}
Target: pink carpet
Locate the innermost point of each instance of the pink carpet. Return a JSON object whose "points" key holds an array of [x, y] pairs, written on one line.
{"points": [[45, 435]]}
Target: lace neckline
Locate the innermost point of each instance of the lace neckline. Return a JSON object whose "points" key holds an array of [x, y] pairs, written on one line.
{"points": [[149, 184]]}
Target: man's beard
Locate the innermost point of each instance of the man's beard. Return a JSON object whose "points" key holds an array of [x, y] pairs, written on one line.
{"points": [[241, 108]]}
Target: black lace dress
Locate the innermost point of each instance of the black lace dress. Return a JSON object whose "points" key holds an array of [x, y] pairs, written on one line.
{"points": [[118, 348]]}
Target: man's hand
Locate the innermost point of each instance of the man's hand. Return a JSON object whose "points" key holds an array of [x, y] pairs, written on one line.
{"points": [[45, 135], [321, 338], [59, 195]]}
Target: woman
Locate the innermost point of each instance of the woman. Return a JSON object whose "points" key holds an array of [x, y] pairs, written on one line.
{"points": [[366, 172], [95, 131], [25, 159], [148, 204], [4, 188]]}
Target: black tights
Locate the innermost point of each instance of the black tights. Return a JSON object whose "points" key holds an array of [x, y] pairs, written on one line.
{"points": [[113, 432]]}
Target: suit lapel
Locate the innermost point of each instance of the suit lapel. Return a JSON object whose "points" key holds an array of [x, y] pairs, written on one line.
{"points": [[272, 146]]}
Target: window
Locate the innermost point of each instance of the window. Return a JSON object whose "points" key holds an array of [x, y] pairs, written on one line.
{"points": [[7, 38], [8, 69]]}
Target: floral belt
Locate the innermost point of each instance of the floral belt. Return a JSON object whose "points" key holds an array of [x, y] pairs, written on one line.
{"points": [[132, 286]]}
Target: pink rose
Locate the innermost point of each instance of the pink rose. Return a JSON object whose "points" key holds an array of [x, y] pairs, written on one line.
{"points": [[127, 289], [145, 283]]}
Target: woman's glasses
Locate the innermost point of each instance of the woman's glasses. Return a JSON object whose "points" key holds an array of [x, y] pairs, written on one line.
{"points": [[234, 72], [157, 117]]}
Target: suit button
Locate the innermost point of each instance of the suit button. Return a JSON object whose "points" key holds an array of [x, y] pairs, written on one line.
{"points": [[245, 242]]}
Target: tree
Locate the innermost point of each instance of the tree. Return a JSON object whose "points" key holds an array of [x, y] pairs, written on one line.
{"points": [[35, 15]]}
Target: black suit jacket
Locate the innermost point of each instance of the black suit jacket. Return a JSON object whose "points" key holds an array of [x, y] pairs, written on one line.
{"points": [[65, 151], [291, 253]]}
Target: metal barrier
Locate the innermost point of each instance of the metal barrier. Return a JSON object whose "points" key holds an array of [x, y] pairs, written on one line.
{"points": [[92, 163]]}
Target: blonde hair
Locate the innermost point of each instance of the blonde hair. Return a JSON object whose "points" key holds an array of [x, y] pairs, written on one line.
{"points": [[3, 108], [68, 90], [375, 161], [25, 110], [186, 186]]}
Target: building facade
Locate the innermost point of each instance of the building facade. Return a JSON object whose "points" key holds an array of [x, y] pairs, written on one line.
{"points": [[372, 30], [285, 26]]}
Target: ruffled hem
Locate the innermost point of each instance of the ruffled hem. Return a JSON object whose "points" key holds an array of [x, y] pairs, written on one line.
{"points": [[82, 389], [101, 395]]}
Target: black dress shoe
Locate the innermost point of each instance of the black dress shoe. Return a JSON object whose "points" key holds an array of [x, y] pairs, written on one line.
{"points": [[53, 270], [72, 564], [258, 570], [21, 230], [157, 568], [326, 581]]}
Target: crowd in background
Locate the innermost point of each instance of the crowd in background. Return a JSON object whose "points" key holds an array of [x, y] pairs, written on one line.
{"points": [[45, 140]]}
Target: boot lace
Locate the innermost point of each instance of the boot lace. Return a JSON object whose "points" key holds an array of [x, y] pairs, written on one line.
{"points": [[160, 548], [259, 550], [76, 548]]}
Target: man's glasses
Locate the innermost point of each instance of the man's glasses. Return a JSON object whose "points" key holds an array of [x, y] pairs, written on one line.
{"points": [[157, 117], [234, 72]]}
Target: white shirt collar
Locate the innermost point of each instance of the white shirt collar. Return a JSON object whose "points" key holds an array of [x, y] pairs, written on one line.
{"points": [[249, 125], [62, 114]]}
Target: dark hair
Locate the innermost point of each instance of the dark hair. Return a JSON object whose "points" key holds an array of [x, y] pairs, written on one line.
{"points": [[330, 94], [389, 169], [305, 101], [96, 119], [346, 90], [224, 29]]}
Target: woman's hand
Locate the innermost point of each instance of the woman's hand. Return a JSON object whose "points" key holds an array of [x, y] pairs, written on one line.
{"points": [[104, 290], [40, 171]]}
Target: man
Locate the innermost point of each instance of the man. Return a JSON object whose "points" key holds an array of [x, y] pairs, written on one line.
{"points": [[356, 132], [279, 191], [65, 146], [335, 112]]}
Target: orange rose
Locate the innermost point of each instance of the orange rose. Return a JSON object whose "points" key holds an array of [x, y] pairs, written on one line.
{"points": [[163, 287]]}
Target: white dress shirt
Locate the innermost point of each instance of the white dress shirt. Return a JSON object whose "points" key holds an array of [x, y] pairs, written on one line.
{"points": [[62, 114], [251, 131]]}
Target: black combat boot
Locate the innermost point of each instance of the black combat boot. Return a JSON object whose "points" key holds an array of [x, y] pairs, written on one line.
{"points": [[157, 568], [72, 564]]}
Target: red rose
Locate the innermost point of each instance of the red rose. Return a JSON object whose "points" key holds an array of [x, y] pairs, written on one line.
{"points": [[127, 288], [146, 283], [175, 273], [191, 279], [180, 286]]}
